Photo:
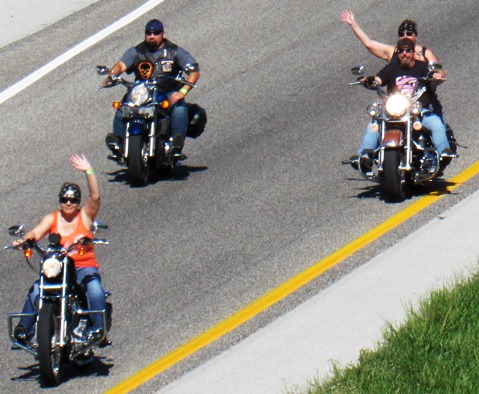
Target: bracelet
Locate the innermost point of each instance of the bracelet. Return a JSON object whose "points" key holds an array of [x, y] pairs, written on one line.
{"points": [[184, 91], [90, 171]]}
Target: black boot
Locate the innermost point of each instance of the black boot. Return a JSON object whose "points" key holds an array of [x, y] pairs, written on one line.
{"points": [[178, 143], [113, 143]]}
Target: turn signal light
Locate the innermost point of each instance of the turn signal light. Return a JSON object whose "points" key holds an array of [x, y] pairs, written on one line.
{"points": [[417, 125], [374, 127], [28, 253], [116, 104], [165, 104]]}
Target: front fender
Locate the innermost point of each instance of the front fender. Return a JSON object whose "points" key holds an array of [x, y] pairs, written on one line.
{"points": [[392, 139], [136, 126]]}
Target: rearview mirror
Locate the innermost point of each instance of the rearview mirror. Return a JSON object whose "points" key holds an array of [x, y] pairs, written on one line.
{"points": [[358, 70], [102, 70], [434, 67], [17, 231], [97, 225]]}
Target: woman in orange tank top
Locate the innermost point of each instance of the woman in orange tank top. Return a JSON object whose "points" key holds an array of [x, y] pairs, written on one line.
{"points": [[72, 223]]}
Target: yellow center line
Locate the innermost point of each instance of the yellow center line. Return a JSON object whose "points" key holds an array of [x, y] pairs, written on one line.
{"points": [[285, 289]]}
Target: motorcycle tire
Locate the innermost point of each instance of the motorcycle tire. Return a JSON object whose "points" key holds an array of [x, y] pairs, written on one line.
{"points": [[394, 183], [49, 352], [138, 161]]}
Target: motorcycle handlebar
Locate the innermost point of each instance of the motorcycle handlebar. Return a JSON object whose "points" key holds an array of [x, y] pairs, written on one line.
{"points": [[116, 80], [32, 244]]}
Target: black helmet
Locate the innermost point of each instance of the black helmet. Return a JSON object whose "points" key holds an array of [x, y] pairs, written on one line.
{"points": [[70, 190]]}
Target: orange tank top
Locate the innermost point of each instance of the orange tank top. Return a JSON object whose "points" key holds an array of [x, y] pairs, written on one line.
{"points": [[86, 259]]}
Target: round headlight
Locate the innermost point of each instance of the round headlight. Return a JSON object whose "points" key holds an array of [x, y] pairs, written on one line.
{"points": [[51, 267], [396, 105], [139, 94]]}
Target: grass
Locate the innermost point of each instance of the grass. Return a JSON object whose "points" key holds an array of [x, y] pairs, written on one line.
{"points": [[436, 350]]}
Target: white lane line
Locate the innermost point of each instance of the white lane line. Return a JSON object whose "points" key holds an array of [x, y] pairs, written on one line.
{"points": [[44, 70]]}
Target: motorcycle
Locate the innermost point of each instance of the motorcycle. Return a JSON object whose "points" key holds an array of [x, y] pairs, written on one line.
{"points": [[406, 156], [62, 316], [145, 112]]}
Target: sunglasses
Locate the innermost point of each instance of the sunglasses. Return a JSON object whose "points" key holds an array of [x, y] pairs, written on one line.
{"points": [[406, 33], [72, 200], [152, 33], [407, 50]]}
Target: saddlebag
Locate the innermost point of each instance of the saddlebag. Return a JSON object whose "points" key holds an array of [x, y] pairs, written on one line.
{"points": [[197, 117]]}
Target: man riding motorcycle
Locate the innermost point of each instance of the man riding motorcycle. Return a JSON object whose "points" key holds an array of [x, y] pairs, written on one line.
{"points": [[168, 60], [402, 75]]}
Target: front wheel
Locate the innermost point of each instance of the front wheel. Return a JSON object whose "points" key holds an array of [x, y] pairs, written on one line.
{"points": [[138, 161], [394, 183], [49, 350]]}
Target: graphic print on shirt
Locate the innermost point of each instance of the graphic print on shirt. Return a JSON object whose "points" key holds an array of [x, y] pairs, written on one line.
{"points": [[406, 84]]}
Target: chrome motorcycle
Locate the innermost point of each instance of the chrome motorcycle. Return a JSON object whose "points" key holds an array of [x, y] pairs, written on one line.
{"points": [[62, 317], [406, 156], [145, 112]]}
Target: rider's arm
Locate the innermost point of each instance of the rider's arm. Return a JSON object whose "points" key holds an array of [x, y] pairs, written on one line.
{"points": [[92, 205], [437, 78], [368, 82], [181, 94], [382, 51], [39, 231], [117, 69], [189, 65], [122, 65], [192, 78]]}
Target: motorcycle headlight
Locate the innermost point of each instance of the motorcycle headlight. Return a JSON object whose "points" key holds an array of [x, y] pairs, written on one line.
{"points": [[139, 94], [397, 105], [51, 267]]}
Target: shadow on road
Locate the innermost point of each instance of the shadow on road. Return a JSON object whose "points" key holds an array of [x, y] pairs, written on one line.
{"points": [[100, 367], [438, 187], [179, 173]]}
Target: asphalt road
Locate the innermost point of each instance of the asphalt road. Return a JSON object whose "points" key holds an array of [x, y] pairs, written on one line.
{"points": [[262, 196]]}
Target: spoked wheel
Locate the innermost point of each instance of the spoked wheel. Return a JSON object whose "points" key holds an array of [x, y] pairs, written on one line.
{"points": [[394, 182], [138, 161], [49, 350]]}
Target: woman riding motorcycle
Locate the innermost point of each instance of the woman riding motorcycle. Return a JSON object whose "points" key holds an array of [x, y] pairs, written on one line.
{"points": [[72, 223]]}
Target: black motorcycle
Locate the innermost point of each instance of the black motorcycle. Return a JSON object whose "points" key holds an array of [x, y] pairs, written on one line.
{"points": [[63, 316], [145, 113]]}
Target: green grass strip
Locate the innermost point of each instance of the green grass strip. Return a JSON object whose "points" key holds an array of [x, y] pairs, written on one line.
{"points": [[436, 350]]}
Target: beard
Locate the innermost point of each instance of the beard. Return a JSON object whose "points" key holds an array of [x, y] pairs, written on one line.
{"points": [[152, 45], [406, 63]]}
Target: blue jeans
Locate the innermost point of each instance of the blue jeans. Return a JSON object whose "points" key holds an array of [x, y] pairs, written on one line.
{"points": [[430, 120], [179, 119], [89, 278]]}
